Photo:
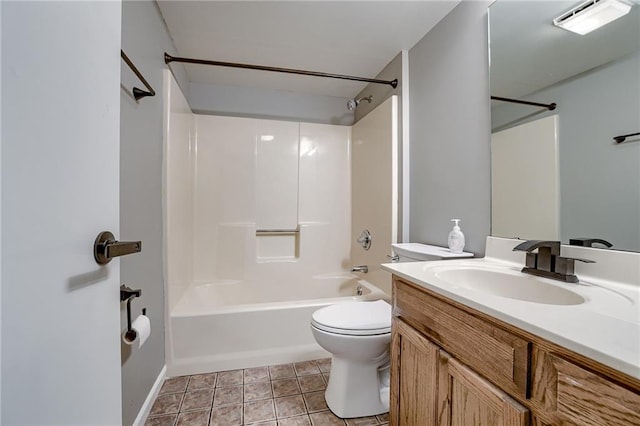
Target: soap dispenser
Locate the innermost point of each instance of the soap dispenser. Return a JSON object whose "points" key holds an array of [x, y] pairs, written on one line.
{"points": [[456, 238]]}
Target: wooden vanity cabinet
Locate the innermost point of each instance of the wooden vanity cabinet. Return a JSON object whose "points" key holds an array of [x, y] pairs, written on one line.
{"points": [[432, 388], [452, 365]]}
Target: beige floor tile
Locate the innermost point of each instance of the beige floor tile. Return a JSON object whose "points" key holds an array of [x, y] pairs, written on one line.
{"points": [[230, 378], [229, 415], [326, 377], [197, 400], [311, 383], [285, 387], [363, 421], [295, 421], [227, 396], [290, 406], [258, 390], [174, 385], [324, 365], [282, 371], [259, 411], [167, 420], [258, 374], [383, 418], [194, 418], [276, 395], [306, 368], [166, 404], [202, 381], [315, 401], [326, 418]]}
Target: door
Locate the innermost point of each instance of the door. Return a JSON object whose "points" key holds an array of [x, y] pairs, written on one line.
{"points": [[475, 402], [414, 377], [60, 312], [429, 387]]}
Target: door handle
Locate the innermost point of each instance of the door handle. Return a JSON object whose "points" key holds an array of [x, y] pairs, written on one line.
{"points": [[106, 247]]}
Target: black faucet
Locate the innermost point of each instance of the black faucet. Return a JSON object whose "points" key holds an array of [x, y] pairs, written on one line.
{"points": [[589, 242], [547, 262]]}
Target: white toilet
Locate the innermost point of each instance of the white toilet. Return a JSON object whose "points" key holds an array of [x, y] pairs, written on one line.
{"points": [[357, 334], [416, 252]]}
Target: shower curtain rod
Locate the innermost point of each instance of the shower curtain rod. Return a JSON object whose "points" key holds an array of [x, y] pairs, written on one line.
{"points": [[550, 106], [168, 58]]}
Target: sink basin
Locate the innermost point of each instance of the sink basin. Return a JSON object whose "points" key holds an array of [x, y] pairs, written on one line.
{"points": [[509, 284]]}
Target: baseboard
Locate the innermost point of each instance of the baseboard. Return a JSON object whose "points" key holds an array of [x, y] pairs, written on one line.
{"points": [[148, 403]]}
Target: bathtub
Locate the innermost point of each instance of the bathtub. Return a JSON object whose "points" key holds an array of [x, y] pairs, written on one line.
{"points": [[226, 325]]}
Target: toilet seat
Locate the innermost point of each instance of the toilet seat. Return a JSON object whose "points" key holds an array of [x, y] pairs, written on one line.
{"points": [[354, 318]]}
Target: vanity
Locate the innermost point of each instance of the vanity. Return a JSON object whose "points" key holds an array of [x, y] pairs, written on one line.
{"points": [[477, 342]]}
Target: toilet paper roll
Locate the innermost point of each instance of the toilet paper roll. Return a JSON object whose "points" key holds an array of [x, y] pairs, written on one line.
{"points": [[141, 329]]}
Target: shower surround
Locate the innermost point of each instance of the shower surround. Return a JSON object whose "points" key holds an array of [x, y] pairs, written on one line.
{"points": [[257, 237]]}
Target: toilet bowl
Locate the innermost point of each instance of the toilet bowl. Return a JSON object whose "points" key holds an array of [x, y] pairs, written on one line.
{"points": [[357, 334]]}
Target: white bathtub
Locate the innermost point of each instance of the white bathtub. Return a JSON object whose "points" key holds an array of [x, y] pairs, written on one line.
{"points": [[227, 325]]}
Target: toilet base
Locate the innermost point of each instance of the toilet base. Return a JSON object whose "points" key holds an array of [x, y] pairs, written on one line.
{"points": [[357, 389]]}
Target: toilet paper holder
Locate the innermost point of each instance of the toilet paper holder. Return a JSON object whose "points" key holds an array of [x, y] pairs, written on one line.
{"points": [[127, 294]]}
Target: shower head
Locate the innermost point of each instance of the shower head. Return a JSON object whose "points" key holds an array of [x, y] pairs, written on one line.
{"points": [[353, 103]]}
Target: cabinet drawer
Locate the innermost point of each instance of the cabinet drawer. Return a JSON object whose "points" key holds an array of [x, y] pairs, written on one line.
{"points": [[501, 357], [584, 398]]}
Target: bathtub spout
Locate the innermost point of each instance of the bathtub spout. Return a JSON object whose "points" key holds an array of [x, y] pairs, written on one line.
{"points": [[360, 268]]}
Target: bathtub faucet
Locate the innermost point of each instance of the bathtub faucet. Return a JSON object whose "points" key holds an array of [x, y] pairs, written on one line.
{"points": [[360, 268]]}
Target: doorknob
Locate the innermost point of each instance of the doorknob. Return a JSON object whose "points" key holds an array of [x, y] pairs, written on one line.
{"points": [[106, 247]]}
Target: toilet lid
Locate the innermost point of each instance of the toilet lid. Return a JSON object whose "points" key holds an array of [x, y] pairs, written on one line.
{"points": [[354, 318]]}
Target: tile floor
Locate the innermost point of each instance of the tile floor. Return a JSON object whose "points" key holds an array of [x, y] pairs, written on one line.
{"points": [[275, 395]]}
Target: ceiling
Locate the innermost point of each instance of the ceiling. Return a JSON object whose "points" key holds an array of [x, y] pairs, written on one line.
{"points": [[341, 37], [528, 53]]}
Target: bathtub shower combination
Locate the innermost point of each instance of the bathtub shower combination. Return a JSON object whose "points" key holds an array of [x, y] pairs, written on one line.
{"points": [[257, 237], [216, 327]]}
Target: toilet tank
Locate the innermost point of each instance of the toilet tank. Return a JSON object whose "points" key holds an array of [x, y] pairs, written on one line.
{"points": [[416, 252]]}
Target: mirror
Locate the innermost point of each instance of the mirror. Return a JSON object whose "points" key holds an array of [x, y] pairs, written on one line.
{"points": [[595, 81]]}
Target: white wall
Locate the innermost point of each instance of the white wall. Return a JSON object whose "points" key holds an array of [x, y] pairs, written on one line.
{"points": [[374, 188], [450, 129], [525, 188], [231, 179], [398, 69], [269, 104], [60, 125], [179, 156]]}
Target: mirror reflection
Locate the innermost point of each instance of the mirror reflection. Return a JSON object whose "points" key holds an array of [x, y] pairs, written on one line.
{"points": [[561, 174]]}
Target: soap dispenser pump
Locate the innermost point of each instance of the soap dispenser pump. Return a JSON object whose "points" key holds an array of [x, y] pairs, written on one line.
{"points": [[456, 238]]}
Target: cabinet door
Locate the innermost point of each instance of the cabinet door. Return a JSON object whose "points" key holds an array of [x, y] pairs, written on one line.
{"points": [[475, 402], [586, 399], [414, 363]]}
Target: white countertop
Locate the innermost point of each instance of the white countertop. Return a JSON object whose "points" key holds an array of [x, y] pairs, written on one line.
{"points": [[606, 327]]}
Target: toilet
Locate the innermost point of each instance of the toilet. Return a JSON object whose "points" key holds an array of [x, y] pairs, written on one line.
{"points": [[357, 334], [416, 252]]}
